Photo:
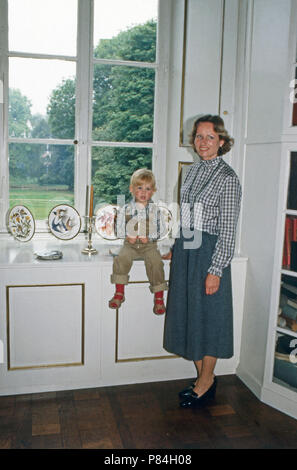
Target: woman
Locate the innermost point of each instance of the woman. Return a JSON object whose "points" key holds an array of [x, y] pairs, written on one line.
{"points": [[199, 315]]}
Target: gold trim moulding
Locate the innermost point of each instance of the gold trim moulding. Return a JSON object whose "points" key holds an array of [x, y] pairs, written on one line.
{"points": [[43, 366]]}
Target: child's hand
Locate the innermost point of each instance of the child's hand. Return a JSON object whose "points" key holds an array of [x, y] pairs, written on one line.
{"points": [[131, 240], [143, 239], [167, 255]]}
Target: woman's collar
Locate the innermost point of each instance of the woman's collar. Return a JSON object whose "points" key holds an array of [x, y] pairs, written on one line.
{"points": [[212, 162]]}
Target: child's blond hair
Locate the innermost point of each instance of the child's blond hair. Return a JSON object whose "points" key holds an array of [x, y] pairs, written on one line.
{"points": [[143, 174]]}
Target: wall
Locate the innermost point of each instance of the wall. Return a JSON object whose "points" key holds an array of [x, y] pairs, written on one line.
{"points": [[256, 35], [264, 85], [206, 53]]}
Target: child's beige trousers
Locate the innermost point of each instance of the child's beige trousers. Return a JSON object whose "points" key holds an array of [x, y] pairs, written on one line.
{"points": [[152, 259]]}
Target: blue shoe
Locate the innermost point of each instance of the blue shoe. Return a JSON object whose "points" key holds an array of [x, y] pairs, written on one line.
{"points": [[187, 391], [192, 400]]}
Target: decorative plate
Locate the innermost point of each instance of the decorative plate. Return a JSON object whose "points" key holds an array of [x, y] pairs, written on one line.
{"points": [[167, 220], [21, 223], [64, 222], [105, 222]]}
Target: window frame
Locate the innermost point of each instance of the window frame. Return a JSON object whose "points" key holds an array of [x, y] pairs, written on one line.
{"points": [[82, 141]]}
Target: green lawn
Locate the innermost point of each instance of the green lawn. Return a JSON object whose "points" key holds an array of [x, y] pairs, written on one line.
{"points": [[40, 200]]}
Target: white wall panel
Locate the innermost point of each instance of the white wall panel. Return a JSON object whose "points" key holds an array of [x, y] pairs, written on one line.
{"points": [[202, 77], [268, 69], [45, 325], [139, 330], [202, 60]]}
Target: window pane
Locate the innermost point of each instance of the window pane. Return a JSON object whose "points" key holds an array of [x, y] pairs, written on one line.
{"points": [[47, 26], [125, 29], [112, 169], [123, 107], [41, 176], [41, 98]]}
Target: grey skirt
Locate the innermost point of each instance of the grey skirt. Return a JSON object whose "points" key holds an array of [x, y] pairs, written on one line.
{"points": [[196, 324]]}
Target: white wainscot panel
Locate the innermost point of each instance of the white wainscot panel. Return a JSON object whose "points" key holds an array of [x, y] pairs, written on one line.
{"points": [[139, 331], [45, 325]]}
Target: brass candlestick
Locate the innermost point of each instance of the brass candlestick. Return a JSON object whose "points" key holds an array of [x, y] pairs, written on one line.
{"points": [[89, 250]]}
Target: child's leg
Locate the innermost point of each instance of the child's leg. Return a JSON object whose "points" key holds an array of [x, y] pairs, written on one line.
{"points": [[121, 267], [155, 273], [118, 297], [159, 306], [155, 269]]}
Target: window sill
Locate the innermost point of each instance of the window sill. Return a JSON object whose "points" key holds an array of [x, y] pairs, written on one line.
{"points": [[14, 253]]}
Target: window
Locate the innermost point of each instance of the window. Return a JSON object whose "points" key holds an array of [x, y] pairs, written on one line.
{"points": [[80, 99], [123, 94], [41, 80]]}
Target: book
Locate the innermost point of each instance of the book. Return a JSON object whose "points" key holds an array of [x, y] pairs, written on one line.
{"points": [[289, 312], [292, 324], [287, 242], [292, 303], [290, 288], [294, 229]]}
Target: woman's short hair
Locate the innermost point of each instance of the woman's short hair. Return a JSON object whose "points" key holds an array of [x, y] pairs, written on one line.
{"points": [[143, 174], [219, 128]]}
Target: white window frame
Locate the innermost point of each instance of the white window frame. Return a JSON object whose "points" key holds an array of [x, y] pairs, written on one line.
{"points": [[83, 126]]}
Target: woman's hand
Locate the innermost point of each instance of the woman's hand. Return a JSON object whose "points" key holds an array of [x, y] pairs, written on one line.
{"points": [[212, 284]]}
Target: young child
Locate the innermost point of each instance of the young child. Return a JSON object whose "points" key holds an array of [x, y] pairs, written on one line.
{"points": [[140, 223]]}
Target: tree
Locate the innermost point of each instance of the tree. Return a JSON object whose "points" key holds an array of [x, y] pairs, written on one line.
{"points": [[24, 162], [61, 120], [61, 110], [19, 114]]}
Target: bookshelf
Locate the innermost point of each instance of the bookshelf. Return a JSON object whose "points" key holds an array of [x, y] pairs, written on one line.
{"points": [[280, 378], [284, 365]]}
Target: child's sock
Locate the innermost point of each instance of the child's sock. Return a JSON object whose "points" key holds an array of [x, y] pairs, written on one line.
{"points": [[159, 295], [120, 288], [159, 307], [117, 299]]}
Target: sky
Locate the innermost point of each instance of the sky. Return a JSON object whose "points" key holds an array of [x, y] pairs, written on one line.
{"points": [[49, 27]]}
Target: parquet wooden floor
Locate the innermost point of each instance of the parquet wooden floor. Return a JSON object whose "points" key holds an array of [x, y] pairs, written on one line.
{"points": [[143, 416]]}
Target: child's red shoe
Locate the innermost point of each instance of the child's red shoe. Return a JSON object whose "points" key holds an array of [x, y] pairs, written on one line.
{"points": [[159, 307], [117, 300]]}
